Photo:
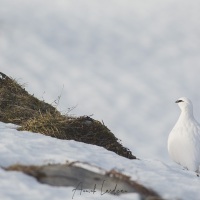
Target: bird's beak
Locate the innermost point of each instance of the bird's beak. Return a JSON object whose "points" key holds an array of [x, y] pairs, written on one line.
{"points": [[176, 101]]}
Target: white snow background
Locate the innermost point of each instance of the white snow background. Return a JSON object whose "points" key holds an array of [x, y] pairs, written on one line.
{"points": [[125, 62], [171, 182]]}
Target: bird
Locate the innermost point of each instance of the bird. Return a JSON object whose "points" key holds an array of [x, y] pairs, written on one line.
{"points": [[184, 139]]}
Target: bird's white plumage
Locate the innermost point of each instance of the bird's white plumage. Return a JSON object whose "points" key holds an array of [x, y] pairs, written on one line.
{"points": [[184, 139]]}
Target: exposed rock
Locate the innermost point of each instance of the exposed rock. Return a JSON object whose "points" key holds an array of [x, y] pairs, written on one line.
{"points": [[84, 180]]}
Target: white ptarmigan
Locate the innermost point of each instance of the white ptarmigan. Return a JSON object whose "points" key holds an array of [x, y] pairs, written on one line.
{"points": [[184, 139]]}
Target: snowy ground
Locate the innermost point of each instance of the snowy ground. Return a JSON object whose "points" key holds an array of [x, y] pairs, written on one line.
{"points": [[28, 148], [126, 62]]}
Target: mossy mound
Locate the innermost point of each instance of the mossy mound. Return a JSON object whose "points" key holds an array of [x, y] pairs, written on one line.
{"points": [[19, 107], [16, 105]]}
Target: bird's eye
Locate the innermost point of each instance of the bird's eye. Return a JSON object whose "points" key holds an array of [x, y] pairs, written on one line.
{"points": [[178, 101]]}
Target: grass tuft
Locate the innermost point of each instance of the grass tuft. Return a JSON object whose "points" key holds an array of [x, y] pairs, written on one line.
{"points": [[19, 107]]}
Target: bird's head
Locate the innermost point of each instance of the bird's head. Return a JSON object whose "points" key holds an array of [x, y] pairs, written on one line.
{"points": [[185, 104]]}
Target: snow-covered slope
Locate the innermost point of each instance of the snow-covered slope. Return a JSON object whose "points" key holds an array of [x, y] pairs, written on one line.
{"points": [[27, 148], [126, 62]]}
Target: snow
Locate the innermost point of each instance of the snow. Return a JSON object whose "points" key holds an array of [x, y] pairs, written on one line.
{"points": [[126, 62], [27, 148]]}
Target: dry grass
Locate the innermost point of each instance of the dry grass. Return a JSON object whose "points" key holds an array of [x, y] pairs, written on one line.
{"points": [[16, 105], [19, 107]]}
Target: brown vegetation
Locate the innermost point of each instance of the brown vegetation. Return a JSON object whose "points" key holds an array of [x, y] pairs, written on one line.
{"points": [[19, 107]]}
